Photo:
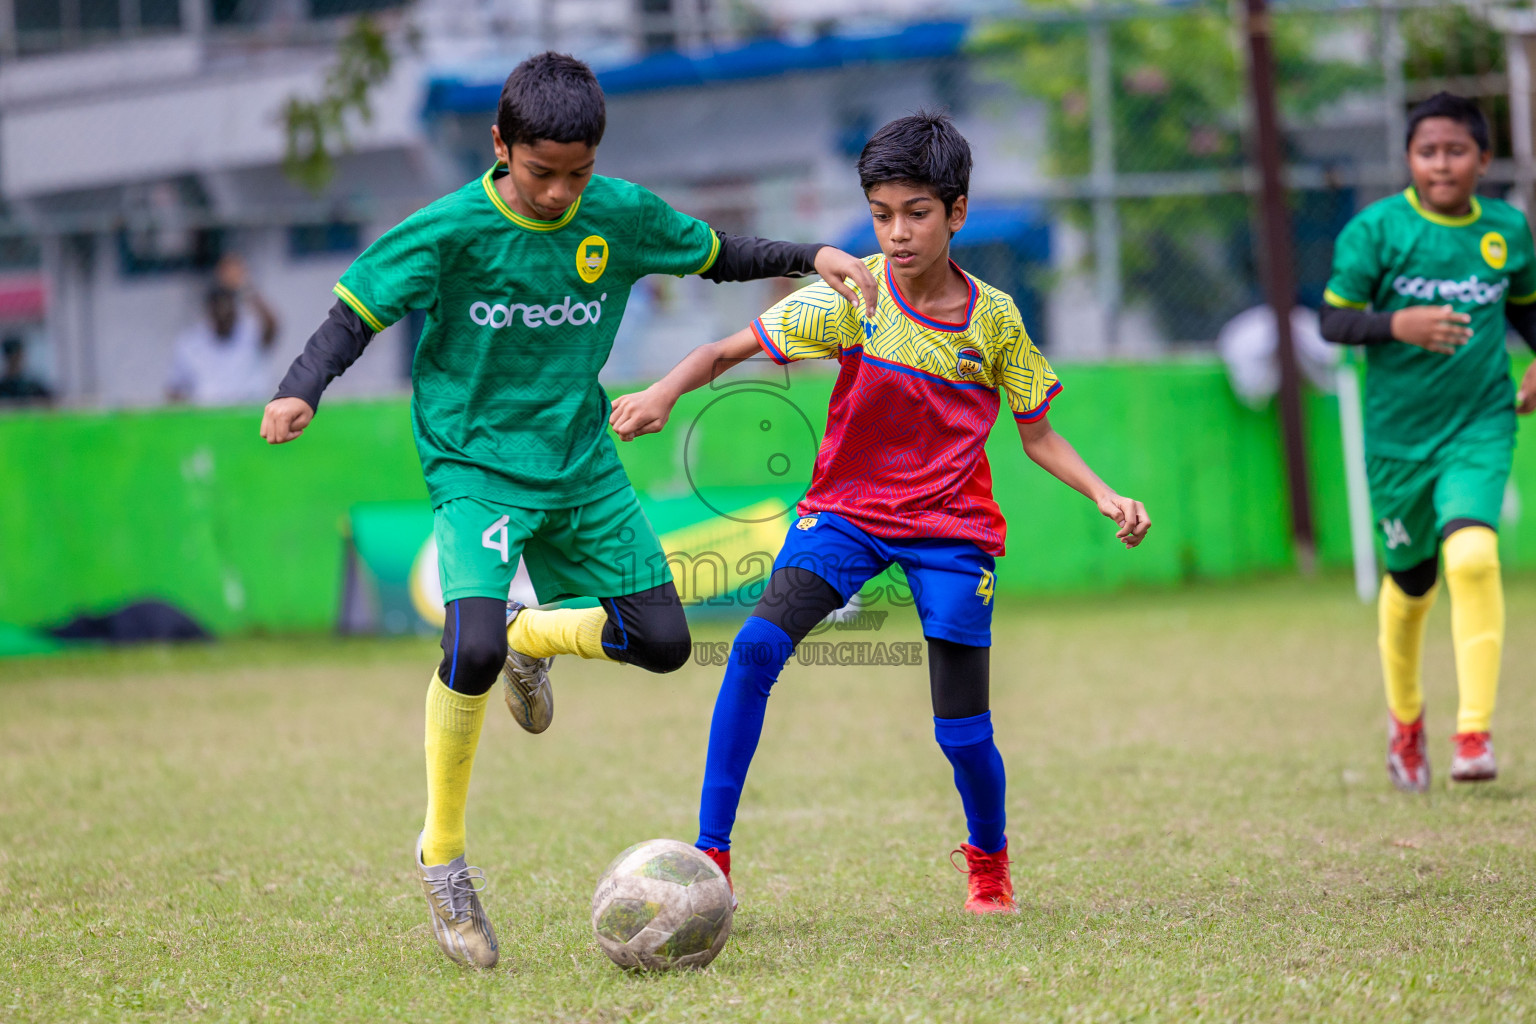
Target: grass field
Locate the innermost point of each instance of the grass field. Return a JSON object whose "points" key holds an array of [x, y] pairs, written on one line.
{"points": [[1200, 824]]}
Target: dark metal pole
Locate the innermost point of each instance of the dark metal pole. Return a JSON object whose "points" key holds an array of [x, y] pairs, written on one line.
{"points": [[1275, 262]]}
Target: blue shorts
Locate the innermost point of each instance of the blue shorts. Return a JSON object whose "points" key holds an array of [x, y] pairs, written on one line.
{"points": [[951, 581]]}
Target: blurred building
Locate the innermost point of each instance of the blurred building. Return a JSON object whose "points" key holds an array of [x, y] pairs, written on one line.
{"points": [[142, 139], [139, 141]]}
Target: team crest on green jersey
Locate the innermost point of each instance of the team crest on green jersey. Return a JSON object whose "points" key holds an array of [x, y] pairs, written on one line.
{"points": [[592, 258], [1495, 250]]}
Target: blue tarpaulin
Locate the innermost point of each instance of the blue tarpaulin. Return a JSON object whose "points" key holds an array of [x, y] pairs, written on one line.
{"points": [[450, 93], [1022, 227]]}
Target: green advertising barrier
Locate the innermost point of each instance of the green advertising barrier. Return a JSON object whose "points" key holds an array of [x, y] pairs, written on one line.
{"points": [[190, 506], [16, 641], [720, 562]]}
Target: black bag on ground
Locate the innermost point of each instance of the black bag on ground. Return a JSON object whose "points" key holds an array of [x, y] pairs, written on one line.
{"points": [[139, 622]]}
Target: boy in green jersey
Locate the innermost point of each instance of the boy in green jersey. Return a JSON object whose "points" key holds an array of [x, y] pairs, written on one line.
{"points": [[1425, 280], [523, 275]]}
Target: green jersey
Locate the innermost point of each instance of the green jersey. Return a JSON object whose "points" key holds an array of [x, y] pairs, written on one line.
{"points": [[1396, 254], [520, 317]]}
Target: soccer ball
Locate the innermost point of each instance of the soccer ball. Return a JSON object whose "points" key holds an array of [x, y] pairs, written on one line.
{"points": [[662, 904]]}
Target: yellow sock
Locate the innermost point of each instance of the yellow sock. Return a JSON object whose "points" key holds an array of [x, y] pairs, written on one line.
{"points": [[1477, 622], [453, 733], [540, 634], [1401, 639]]}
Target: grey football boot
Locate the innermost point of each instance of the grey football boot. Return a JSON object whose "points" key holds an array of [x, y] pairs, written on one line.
{"points": [[463, 931], [525, 683]]}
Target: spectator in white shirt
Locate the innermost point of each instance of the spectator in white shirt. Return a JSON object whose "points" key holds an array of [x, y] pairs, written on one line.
{"points": [[222, 359]]}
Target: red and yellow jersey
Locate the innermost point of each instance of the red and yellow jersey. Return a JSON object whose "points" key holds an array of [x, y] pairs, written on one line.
{"points": [[903, 454]]}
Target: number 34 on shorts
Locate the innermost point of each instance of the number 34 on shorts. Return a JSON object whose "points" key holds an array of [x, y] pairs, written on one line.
{"points": [[1394, 534]]}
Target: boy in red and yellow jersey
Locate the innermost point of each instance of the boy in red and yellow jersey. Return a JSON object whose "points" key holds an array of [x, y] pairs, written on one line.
{"points": [[902, 476]]}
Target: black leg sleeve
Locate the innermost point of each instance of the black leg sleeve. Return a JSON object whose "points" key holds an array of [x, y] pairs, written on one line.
{"points": [[1416, 581], [474, 644], [959, 678], [648, 629], [795, 600], [1461, 524]]}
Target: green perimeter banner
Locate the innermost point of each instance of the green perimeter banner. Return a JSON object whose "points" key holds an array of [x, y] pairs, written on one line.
{"points": [[190, 506]]}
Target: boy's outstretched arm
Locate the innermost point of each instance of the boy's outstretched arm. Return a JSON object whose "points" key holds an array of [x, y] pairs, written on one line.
{"points": [[329, 351], [1052, 453], [646, 412], [744, 258]]}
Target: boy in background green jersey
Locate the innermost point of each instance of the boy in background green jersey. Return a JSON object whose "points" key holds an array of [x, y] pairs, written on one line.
{"points": [[1425, 280], [523, 275]]}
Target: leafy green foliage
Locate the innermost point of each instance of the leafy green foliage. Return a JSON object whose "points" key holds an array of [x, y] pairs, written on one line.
{"points": [[1448, 42], [1448, 47], [316, 127]]}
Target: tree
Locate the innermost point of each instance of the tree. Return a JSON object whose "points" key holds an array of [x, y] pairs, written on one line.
{"points": [[1178, 106], [317, 127]]}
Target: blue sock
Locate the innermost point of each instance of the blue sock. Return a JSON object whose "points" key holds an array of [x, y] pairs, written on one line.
{"points": [[979, 776], [757, 656]]}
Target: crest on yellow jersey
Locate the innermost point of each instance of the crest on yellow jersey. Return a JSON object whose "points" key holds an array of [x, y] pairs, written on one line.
{"points": [[968, 363], [592, 258], [1495, 250]]}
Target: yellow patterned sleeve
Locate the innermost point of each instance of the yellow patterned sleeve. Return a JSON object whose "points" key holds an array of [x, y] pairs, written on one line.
{"points": [[813, 323], [1027, 379]]}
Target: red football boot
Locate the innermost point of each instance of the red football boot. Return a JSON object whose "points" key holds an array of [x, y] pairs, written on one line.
{"points": [[722, 859], [991, 890], [1474, 760], [1407, 754]]}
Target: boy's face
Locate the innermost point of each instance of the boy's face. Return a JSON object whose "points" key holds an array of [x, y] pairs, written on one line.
{"points": [[912, 227], [1445, 162], [547, 177]]}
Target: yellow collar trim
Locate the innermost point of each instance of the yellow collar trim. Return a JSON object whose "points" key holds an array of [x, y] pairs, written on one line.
{"points": [[1440, 218], [517, 218]]}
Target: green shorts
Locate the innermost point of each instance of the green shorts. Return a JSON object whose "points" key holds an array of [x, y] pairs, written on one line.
{"points": [[605, 548], [1413, 501]]}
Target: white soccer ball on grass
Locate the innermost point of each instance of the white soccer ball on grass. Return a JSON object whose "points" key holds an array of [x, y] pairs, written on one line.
{"points": [[661, 905]]}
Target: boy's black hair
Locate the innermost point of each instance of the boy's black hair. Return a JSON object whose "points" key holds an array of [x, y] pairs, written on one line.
{"points": [[551, 96], [1457, 108], [922, 149]]}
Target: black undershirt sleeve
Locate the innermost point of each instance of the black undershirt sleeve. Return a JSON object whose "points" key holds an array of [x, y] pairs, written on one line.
{"points": [[1354, 326], [743, 258], [1523, 319], [1357, 327], [330, 350]]}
